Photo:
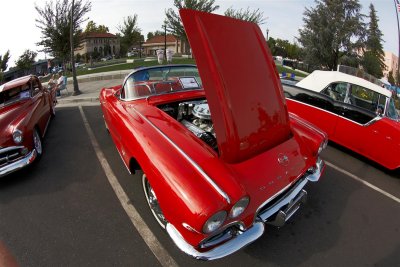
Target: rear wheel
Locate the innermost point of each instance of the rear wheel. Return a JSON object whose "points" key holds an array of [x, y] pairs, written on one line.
{"points": [[153, 202]]}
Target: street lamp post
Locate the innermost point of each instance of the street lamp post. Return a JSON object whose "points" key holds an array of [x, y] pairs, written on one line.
{"points": [[140, 47], [267, 34], [165, 40], [71, 39]]}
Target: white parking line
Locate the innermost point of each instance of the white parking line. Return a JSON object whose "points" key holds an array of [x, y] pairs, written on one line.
{"points": [[363, 182], [158, 250]]}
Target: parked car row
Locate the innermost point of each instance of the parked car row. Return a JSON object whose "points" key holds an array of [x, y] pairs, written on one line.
{"points": [[220, 152]]}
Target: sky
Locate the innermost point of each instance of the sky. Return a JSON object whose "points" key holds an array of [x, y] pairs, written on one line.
{"points": [[284, 18]]}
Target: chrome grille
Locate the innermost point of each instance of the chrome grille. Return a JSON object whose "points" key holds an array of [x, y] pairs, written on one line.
{"points": [[10, 154]]}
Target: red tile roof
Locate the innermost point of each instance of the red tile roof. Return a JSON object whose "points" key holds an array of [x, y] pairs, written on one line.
{"points": [[160, 39]]}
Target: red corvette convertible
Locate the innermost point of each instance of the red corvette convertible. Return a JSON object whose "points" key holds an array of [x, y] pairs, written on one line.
{"points": [[25, 111], [220, 155]]}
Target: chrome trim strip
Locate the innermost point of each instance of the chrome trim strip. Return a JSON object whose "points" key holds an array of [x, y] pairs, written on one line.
{"points": [[28, 159], [377, 118], [307, 125], [47, 125], [194, 164], [10, 148], [237, 243]]}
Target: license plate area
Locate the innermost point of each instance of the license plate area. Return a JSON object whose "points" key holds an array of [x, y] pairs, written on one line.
{"points": [[284, 214]]}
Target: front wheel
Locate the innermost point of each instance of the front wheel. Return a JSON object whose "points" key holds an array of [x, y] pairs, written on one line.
{"points": [[37, 143], [52, 110], [153, 202]]}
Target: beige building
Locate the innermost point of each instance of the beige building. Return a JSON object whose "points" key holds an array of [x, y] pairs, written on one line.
{"points": [[391, 62], [102, 43], [158, 42]]}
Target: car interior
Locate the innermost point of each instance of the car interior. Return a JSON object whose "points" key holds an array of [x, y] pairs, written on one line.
{"points": [[337, 105]]}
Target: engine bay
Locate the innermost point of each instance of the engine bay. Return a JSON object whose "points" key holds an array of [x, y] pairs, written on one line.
{"points": [[195, 115]]}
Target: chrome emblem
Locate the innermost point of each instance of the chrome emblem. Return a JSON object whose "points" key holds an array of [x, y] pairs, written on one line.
{"points": [[283, 159]]}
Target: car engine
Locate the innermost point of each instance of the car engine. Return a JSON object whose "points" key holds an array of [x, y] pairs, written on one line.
{"points": [[196, 117]]}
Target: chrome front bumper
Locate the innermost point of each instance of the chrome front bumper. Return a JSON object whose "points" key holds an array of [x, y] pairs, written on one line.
{"points": [[19, 164], [276, 214]]}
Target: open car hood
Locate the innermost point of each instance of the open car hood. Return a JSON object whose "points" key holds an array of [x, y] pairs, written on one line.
{"points": [[242, 86]]}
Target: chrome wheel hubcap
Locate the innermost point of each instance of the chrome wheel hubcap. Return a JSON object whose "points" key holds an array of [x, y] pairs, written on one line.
{"points": [[37, 142], [153, 202]]}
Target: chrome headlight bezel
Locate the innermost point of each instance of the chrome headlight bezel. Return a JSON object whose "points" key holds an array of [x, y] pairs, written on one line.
{"points": [[214, 222], [17, 136], [239, 207]]}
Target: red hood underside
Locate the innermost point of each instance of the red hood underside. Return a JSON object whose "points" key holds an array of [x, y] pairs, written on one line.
{"points": [[241, 84]]}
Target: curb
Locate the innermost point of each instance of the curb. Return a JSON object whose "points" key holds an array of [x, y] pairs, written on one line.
{"points": [[100, 76]]}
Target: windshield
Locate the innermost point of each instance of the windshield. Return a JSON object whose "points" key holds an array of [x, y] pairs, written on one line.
{"points": [[155, 81], [391, 110], [15, 94]]}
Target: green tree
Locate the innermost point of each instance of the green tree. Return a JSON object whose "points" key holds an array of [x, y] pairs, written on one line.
{"points": [[391, 78], [173, 21], [54, 21], [255, 16], [26, 60], [374, 58], [4, 61], [130, 33], [92, 27], [272, 45], [152, 34], [332, 29]]}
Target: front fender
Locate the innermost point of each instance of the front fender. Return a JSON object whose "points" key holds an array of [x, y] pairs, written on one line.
{"points": [[309, 134]]}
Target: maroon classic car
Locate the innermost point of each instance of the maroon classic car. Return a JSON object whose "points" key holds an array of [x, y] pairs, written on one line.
{"points": [[25, 111], [218, 153]]}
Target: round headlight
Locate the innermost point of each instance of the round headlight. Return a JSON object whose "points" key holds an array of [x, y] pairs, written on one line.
{"points": [[239, 207], [17, 136], [214, 222]]}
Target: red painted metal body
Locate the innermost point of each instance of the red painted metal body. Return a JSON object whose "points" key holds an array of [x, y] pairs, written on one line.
{"points": [[252, 125], [25, 112], [378, 141]]}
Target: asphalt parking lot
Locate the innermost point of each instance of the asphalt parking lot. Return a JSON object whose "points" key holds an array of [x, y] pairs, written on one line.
{"points": [[64, 210]]}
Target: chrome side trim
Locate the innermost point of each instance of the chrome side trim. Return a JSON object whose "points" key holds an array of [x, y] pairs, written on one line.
{"points": [[192, 162], [237, 243], [377, 118], [17, 165]]}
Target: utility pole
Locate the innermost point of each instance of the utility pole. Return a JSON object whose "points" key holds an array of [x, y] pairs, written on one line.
{"points": [[398, 33], [71, 39]]}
